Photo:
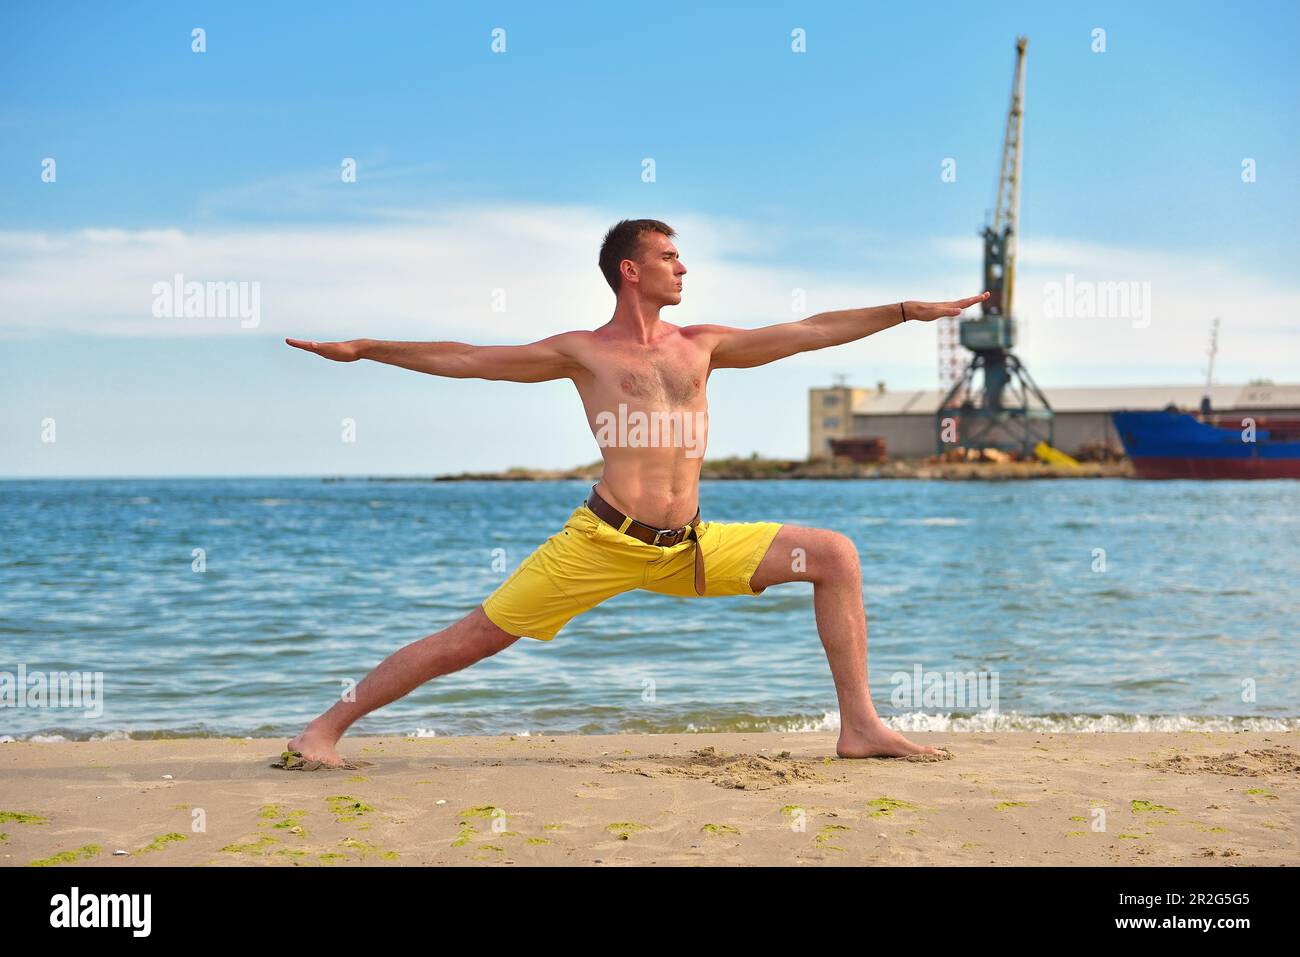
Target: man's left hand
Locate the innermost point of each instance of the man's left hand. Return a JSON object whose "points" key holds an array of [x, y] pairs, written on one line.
{"points": [[929, 311]]}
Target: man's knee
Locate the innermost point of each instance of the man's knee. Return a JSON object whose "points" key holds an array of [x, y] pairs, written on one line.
{"points": [[835, 559], [488, 632], [476, 636]]}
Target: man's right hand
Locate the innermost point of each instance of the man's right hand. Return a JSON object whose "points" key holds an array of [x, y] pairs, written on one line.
{"points": [[349, 351]]}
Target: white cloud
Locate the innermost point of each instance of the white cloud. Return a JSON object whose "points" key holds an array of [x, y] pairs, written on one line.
{"points": [[432, 276], [1258, 335], [428, 277]]}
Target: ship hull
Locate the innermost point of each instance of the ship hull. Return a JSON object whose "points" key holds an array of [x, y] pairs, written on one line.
{"points": [[1164, 467], [1175, 445]]}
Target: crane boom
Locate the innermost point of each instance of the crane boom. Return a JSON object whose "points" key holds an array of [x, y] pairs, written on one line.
{"points": [[1000, 235]]}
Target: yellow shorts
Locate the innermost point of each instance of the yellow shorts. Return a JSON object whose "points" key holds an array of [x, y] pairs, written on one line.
{"points": [[589, 561]]}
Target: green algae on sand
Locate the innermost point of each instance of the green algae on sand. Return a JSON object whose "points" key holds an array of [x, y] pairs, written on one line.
{"points": [[719, 830], [1139, 807], [261, 844], [624, 829], [158, 843], [18, 817], [85, 852], [291, 822], [827, 833], [361, 847], [345, 808], [886, 806]]}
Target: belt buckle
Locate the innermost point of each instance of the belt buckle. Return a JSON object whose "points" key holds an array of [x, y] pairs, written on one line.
{"points": [[662, 532]]}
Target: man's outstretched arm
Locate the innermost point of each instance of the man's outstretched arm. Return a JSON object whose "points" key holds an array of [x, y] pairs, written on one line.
{"points": [[540, 361], [745, 348]]}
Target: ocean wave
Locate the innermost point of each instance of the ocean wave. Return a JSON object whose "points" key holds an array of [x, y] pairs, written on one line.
{"points": [[914, 722], [1085, 723], [984, 721], [829, 721], [118, 735]]}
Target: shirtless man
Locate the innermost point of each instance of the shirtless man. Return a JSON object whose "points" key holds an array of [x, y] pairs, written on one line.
{"points": [[640, 528]]}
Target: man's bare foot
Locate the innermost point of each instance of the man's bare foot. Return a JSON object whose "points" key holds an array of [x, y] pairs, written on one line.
{"points": [[879, 741], [317, 745]]}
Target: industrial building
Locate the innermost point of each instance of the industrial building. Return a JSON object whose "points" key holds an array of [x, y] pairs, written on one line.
{"points": [[906, 420]]}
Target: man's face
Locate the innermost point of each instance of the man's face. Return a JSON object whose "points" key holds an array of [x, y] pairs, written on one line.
{"points": [[659, 271]]}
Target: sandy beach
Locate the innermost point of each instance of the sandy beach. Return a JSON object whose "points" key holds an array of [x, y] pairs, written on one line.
{"points": [[1191, 798]]}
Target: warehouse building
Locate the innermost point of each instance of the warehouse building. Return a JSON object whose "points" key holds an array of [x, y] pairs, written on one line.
{"points": [[905, 420]]}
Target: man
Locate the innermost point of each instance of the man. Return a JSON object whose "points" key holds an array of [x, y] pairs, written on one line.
{"points": [[642, 382]]}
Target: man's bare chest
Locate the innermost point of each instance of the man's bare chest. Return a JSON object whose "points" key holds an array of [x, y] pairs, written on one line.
{"points": [[672, 380]]}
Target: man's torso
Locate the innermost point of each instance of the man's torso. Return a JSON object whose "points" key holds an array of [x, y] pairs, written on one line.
{"points": [[647, 407]]}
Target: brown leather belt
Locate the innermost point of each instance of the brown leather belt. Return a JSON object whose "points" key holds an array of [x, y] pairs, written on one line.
{"points": [[664, 537]]}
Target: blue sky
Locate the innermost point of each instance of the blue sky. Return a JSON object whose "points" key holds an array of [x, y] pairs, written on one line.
{"points": [[482, 171]]}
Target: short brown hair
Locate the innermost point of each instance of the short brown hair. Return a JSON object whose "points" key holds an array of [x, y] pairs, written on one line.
{"points": [[623, 241]]}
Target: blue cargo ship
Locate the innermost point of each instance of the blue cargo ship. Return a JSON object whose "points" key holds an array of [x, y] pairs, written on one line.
{"points": [[1178, 445]]}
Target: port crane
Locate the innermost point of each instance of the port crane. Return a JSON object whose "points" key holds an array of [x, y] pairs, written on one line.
{"points": [[1006, 410]]}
